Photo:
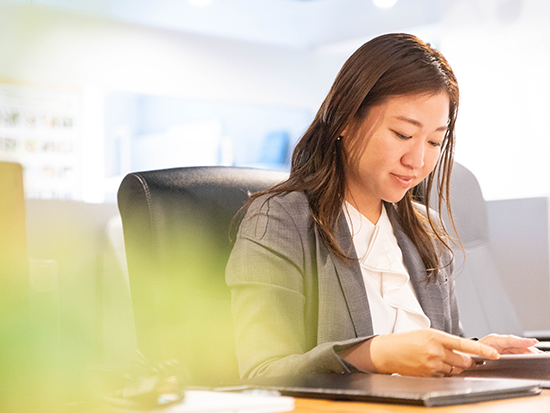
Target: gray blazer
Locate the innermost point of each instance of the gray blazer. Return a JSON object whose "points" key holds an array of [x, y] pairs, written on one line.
{"points": [[295, 304]]}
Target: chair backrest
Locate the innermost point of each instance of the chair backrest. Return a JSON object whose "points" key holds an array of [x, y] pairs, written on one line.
{"points": [[176, 226], [483, 302]]}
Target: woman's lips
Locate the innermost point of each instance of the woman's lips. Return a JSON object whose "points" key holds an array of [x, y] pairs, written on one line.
{"points": [[403, 180]]}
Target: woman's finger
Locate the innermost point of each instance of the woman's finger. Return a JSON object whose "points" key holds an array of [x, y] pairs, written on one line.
{"points": [[503, 342], [522, 350], [476, 348], [448, 370], [443, 370], [458, 360]]}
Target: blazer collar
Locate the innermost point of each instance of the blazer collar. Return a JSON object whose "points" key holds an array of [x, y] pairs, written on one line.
{"points": [[351, 281]]}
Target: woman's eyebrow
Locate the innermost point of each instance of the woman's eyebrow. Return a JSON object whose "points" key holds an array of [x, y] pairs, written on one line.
{"points": [[419, 124]]}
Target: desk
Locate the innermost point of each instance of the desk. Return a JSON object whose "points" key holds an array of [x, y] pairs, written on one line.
{"points": [[539, 403]]}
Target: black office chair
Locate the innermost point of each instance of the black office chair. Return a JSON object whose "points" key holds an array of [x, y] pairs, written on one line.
{"points": [[176, 226]]}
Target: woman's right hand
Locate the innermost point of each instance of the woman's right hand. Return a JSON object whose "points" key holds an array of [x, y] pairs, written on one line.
{"points": [[427, 352]]}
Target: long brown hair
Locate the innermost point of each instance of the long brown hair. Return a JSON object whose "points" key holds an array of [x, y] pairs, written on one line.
{"points": [[386, 66]]}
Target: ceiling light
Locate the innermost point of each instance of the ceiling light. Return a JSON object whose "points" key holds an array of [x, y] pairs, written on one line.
{"points": [[384, 4], [200, 3]]}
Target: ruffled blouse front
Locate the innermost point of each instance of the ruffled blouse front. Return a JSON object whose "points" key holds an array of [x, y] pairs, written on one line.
{"points": [[393, 303]]}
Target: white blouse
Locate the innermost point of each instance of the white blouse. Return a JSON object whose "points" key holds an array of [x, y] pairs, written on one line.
{"points": [[393, 303]]}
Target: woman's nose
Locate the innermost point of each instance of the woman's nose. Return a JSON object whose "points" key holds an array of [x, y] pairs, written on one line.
{"points": [[414, 156]]}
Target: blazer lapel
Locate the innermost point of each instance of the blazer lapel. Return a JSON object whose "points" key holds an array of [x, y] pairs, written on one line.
{"points": [[431, 295], [351, 282]]}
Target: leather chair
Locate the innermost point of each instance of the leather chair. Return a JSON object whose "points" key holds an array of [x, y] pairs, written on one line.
{"points": [[176, 225]]}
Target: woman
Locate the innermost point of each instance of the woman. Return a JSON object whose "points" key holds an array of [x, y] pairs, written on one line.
{"points": [[337, 269]]}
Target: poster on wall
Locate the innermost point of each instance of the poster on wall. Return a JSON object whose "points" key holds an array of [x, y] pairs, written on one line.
{"points": [[40, 129]]}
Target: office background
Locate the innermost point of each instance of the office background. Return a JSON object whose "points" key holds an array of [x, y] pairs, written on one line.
{"points": [[91, 90]]}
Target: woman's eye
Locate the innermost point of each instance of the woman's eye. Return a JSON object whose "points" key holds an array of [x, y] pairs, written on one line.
{"points": [[435, 144], [401, 136]]}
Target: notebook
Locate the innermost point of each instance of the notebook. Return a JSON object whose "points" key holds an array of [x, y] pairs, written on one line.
{"points": [[429, 392]]}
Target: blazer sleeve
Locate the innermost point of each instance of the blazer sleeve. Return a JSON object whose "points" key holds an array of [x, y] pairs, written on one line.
{"points": [[266, 276]]}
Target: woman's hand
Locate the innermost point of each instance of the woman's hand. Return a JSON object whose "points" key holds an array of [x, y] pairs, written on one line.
{"points": [[511, 344], [427, 352]]}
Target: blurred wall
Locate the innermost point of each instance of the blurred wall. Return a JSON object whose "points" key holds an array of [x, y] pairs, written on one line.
{"points": [[43, 45], [47, 47], [518, 231], [500, 52]]}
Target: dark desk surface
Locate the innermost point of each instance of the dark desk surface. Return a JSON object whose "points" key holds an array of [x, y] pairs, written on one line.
{"points": [[539, 403]]}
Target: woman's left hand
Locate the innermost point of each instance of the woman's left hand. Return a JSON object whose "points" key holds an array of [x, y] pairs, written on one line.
{"points": [[510, 344]]}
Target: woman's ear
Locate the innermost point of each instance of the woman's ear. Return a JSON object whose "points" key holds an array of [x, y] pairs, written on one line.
{"points": [[344, 132]]}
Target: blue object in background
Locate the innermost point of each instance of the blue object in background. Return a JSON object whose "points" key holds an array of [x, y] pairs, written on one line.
{"points": [[258, 135], [275, 148]]}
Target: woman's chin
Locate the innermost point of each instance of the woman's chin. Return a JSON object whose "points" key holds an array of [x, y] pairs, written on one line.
{"points": [[394, 198]]}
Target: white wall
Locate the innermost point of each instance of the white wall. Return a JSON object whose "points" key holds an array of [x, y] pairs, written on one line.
{"points": [[51, 46], [501, 57], [502, 60]]}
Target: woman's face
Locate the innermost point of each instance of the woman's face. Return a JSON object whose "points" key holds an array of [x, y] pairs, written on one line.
{"points": [[394, 149]]}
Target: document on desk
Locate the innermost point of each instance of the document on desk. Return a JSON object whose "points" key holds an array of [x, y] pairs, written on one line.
{"points": [[198, 401], [517, 366], [429, 392]]}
